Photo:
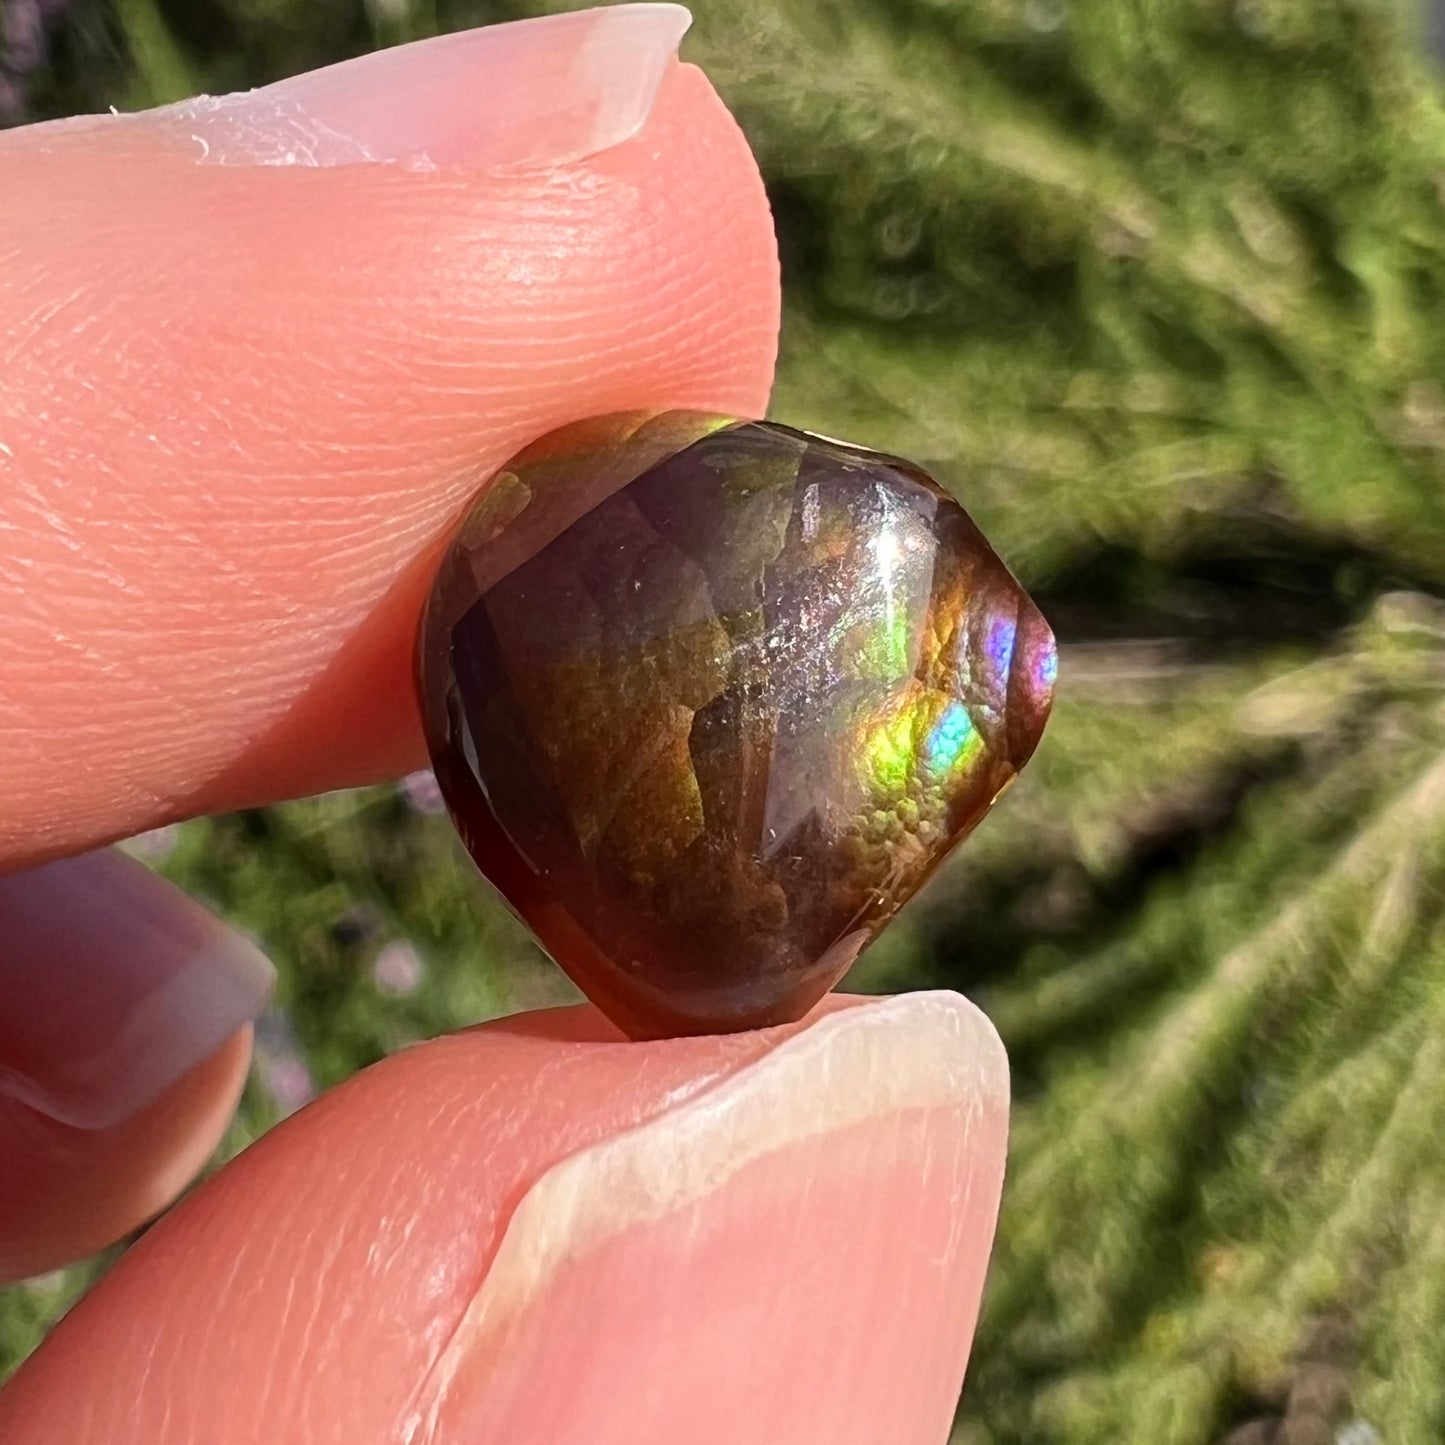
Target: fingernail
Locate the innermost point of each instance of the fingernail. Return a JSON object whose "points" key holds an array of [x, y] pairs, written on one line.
{"points": [[530, 93], [797, 1253], [114, 984]]}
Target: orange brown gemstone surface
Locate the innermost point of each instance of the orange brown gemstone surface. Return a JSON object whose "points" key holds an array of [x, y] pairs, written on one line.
{"points": [[709, 699]]}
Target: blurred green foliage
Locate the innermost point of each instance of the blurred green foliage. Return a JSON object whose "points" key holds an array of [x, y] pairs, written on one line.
{"points": [[1159, 287]]}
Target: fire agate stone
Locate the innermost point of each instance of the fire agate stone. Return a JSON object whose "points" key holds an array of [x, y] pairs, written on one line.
{"points": [[709, 699]]}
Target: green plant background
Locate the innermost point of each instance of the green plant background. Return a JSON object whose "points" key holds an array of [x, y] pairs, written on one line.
{"points": [[1159, 287]]}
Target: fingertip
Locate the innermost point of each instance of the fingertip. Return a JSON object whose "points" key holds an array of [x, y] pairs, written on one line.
{"points": [[66, 1192], [536, 1231], [225, 490], [116, 984], [797, 1254]]}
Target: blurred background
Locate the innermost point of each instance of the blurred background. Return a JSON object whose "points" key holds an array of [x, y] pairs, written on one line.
{"points": [[1158, 287]]}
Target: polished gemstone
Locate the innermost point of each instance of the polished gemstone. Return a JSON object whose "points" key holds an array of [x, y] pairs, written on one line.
{"points": [[709, 699]]}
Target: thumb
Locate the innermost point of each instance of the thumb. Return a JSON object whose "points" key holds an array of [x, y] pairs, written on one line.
{"points": [[535, 1232], [256, 351]]}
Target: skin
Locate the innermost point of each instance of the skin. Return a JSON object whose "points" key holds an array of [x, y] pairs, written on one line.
{"points": [[230, 470]]}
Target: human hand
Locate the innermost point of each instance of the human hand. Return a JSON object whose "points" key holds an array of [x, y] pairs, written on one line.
{"points": [[254, 355]]}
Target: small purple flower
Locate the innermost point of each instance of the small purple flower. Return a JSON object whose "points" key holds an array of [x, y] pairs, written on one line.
{"points": [[398, 969], [280, 1068], [22, 31], [156, 845], [24, 49], [422, 793], [1358, 1432], [46, 1286], [289, 1083], [12, 99]]}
